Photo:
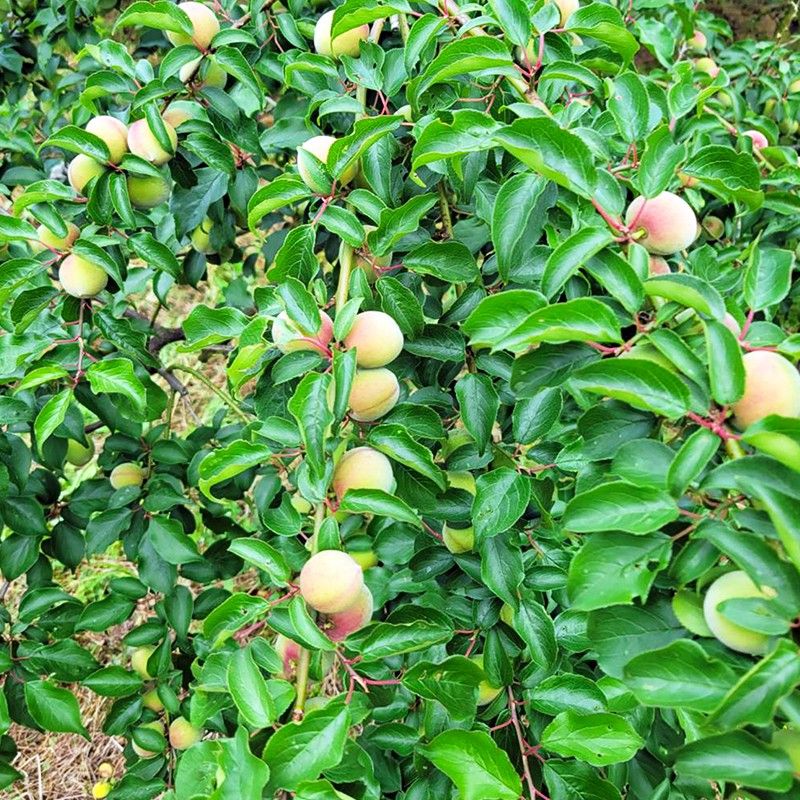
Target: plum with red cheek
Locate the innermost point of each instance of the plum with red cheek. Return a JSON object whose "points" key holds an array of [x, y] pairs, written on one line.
{"points": [[47, 239], [205, 26], [288, 337], [659, 266], [376, 337], [142, 142], [697, 42], [289, 652], [331, 581], [664, 224], [771, 386], [363, 468], [343, 623], [113, 132], [707, 66], [182, 734], [374, 394], [758, 139]]}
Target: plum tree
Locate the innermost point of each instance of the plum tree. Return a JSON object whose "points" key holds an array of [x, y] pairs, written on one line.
{"points": [[81, 170], [659, 266], [312, 165], [201, 236], [486, 692], [342, 623], [182, 734], [373, 394], [80, 277], [376, 337], [142, 752], [127, 474], [345, 44], [707, 65], [205, 26], [113, 132], [331, 581], [697, 42], [730, 586], [363, 468], [788, 739], [79, 454], [460, 537], [148, 191], [142, 142], [771, 386], [288, 337], [664, 224], [49, 240], [758, 139], [139, 659]]}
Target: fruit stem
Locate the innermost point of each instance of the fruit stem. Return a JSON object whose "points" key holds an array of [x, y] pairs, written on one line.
{"points": [[304, 660], [345, 268]]}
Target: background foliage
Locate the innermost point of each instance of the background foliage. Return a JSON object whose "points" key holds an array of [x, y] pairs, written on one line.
{"points": [[497, 148]]}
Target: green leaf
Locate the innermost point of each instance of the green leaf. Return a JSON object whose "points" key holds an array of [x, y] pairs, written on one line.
{"points": [[234, 63], [232, 614], [571, 254], [605, 24], [230, 461], [495, 315], [283, 191], [689, 291], [353, 13], [501, 497], [383, 504], [726, 173], [680, 675], [11, 228], [725, 366], [476, 765], [629, 104], [468, 132], [116, 376], [53, 708], [346, 152], [113, 681], [160, 15], [660, 161], [778, 437], [768, 277], [75, 140], [170, 542], [249, 691], [537, 630], [51, 416], [264, 557], [453, 682], [514, 19], [478, 404], [309, 406], [448, 261], [599, 739], [397, 443]]}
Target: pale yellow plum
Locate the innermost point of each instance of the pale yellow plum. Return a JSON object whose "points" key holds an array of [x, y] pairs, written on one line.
{"points": [[79, 454], [373, 394], [486, 692], [139, 660], [207, 75], [101, 789], [113, 132], [81, 170], [148, 191], [771, 386], [288, 337], [205, 26], [182, 734], [376, 337], [300, 504], [201, 236], [345, 44], [366, 559], [179, 112], [105, 770], [81, 278], [733, 585], [319, 147], [156, 725], [794, 86], [342, 623], [707, 65], [142, 142], [363, 468], [152, 701], [687, 180], [458, 540], [665, 223], [331, 581], [61, 243], [127, 474], [788, 739]]}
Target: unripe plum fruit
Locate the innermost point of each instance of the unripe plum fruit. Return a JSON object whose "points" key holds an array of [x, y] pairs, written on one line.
{"points": [[331, 581], [788, 739], [148, 191], [205, 26], [377, 338], [707, 65], [101, 789], [81, 278], [659, 266], [345, 44], [289, 653], [127, 474], [178, 112], [143, 143], [374, 393], [486, 692], [152, 701], [343, 623], [49, 240], [758, 139], [201, 236], [366, 559], [139, 659], [566, 8], [733, 585], [156, 725], [182, 734], [688, 608], [209, 74], [668, 222], [113, 132], [81, 170], [319, 147], [697, 42], [771, 386], [363, 468], [288, 337], [460, 539], [105, 770], [79, 454], [794, 86], [713, 226]]}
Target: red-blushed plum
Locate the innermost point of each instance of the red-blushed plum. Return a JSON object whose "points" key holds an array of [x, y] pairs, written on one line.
{"points": [[331, 581]]}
